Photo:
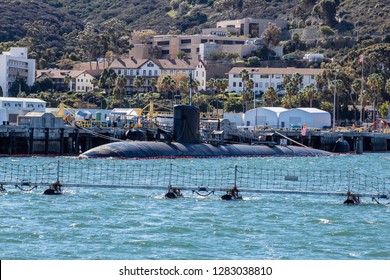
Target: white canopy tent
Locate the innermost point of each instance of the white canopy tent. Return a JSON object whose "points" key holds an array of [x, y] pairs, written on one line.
{"points": [[263, 116], [312, 117]]}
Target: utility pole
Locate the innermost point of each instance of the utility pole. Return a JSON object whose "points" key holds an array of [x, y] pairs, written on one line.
{"points": [[334, 101]]}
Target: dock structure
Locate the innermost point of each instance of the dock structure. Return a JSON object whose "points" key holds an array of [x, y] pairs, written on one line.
{"points": [[162, 176], [68, 140], [73, 140]]}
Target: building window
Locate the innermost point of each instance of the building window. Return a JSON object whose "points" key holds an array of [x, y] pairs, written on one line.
{"points": [[239, 84], [155, 73], [163, 43], [144, 72], [186, 41], [131, 72], [150, 72], [234, 84], [165, 52], [264, 76]]}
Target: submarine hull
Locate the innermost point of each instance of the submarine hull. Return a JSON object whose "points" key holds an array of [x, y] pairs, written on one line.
{"points": [[141, 149]]}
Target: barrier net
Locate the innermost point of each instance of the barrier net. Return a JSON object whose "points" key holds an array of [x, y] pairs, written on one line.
{"points": [[144, 174]]}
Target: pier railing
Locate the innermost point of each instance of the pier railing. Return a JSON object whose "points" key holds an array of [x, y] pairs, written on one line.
{"points": [[147, 175]]}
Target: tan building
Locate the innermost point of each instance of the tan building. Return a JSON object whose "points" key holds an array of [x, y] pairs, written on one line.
{"points": [[169, 46], [250, 27]]}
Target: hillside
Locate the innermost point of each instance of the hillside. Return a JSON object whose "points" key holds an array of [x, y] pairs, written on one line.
{"points": [[51, 28], [164, 16]]}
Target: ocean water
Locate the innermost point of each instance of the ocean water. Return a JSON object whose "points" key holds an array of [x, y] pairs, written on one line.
{"points": [[98, 223]]}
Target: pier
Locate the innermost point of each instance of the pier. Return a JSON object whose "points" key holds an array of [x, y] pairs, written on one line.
{"points": [[68, 140], [73, 140]]}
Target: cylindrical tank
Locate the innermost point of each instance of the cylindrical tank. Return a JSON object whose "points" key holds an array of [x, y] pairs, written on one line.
{"points": [[98, 116], [186, 120], [341, 146]]}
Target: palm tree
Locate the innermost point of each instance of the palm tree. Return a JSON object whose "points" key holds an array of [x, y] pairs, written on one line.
{"points": [[67, 80], [153, 84], [376, 83], [244, 75], [310, 94], [121, 82], [138, 82], [270, 96], [167, 84]]}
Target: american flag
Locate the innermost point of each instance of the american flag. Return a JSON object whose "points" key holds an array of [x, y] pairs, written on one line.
{"points": [[303, 131]]}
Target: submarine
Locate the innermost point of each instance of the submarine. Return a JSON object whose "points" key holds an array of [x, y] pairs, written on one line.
{"points": [[186, 143]]}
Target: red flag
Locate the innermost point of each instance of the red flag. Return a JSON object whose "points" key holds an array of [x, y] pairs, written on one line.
{"points": [[361, 59]]}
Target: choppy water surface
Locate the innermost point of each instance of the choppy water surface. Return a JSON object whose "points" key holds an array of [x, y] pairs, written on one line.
{"points": [[96, 223]]}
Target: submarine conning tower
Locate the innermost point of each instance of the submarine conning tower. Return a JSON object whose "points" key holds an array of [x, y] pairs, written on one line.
{"points": [[186, 120]]}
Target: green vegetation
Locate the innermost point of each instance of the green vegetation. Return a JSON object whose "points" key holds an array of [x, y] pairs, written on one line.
{"points": [[60, 33]]}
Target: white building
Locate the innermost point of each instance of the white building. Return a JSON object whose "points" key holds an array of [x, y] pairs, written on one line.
{"points": [[82, 81], [264, 116], [13, 107], [264, 78], [312, 117], [79, 80], [15, 64], [153, 68]]}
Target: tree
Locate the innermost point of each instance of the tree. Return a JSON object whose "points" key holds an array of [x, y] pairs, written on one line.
{"points": [[376, 83], [253, 61], [138, 82], [181, 54], [153, 84], [121, 82], [233, 104], [272, 35], [326, 31], [326, 11], [270, 96], [384, 109], [107, 79], [387, 87], [165, 83], [309, 94], [92, 43], [233, 56], [18, 86], [117, 35]]}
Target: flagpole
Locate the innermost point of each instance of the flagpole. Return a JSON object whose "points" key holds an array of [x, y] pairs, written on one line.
{"points": [[361, 91]]}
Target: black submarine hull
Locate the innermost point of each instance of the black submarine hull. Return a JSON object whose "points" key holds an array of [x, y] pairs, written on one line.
{"points": [[141, 149]]}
